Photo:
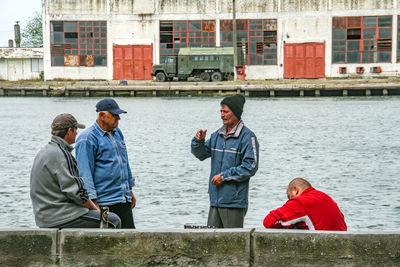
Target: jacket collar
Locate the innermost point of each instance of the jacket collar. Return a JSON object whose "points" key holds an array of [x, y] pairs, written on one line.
{"points": [[307, 190], [60, 141], [235, 131], [101, 131]]}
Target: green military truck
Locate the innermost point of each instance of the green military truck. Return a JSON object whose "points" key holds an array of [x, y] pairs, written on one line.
{"points": [[215, 64]]}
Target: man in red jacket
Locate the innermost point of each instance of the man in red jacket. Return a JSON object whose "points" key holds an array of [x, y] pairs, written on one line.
{"points": [[306, 208]]}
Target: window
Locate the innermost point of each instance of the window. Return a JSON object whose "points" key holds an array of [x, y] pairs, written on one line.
{"points": [[36, 64], [177, 34], [256, 38], [78, 43], [361, 39]]}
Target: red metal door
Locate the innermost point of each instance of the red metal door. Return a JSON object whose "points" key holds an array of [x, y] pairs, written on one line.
{"points": [[304, 60], [133, 62]]}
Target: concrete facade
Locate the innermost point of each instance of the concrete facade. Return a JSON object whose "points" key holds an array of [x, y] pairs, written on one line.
{"points": [[208, 247], [21, 63], [131, 22]]}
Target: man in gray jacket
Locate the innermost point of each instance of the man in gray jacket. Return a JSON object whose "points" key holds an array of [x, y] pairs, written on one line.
{"points": [[58, 197]]}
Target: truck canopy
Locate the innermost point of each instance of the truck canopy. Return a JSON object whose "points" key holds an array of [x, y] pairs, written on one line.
{"points": [[206, 51]]}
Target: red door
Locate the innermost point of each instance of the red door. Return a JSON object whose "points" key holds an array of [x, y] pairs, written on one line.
{"points": [[304, 60], [133, 62]]}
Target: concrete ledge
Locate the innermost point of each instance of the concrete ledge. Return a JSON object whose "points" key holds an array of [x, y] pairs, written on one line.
{"points": [[197, 247], [182, 248], [31, 247], [304, 248]]}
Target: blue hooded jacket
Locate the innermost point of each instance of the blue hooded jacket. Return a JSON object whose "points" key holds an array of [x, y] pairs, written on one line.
{"points": [[235, 157]]}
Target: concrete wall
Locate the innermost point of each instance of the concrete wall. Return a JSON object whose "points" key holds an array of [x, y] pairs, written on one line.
{"points": [[234, 247], [137, 22]]}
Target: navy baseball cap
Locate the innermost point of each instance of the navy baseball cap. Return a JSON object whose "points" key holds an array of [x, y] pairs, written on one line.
{"points": [[109, 104]]}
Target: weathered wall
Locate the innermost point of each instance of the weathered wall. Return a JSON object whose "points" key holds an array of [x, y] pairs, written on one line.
{"points": [[132, 7], [186, 6], [13, 69], [362, 4], [304, 5], [27, 247], [248, 6], [223, 247], [77, 7]]}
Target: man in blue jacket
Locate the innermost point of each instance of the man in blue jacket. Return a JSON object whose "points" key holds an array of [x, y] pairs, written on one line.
{"points": [[103, 163], [234, 159]]}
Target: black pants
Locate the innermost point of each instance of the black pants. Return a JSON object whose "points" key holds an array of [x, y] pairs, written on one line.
{"points": [[124, 211]]}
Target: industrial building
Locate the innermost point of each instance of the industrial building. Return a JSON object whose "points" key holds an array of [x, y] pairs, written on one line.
{"points": [[122, 39]]}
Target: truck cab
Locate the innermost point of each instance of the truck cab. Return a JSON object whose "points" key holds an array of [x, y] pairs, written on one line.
{"points": [[167, 70]]}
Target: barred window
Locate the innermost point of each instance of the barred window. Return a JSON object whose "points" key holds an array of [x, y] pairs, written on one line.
{"points": [[257, 39], [78, 43], [362, 39], [177, 34]]}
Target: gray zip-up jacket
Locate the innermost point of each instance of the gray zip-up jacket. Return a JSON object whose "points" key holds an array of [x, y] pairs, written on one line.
{"points": [[56, 188]]}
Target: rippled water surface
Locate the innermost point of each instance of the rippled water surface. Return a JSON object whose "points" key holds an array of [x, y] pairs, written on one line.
{"points": [[349, 148]]}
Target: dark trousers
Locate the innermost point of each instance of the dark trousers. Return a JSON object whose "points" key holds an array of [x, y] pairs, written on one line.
{"points": [[226, 217], [124, 211], [92, 220]]}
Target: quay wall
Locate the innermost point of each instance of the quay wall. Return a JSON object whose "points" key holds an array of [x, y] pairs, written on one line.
{"points": [[197, 247]]}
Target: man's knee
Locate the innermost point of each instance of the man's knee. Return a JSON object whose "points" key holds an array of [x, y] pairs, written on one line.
{"points": [[113, 220]]}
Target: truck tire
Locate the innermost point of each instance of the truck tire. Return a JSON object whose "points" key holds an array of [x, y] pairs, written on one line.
{"points": [[205, 77], [160, 77], [216, 76]]}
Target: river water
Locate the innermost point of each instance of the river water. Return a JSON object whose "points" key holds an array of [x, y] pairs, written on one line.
{"points": [[346, 147]]}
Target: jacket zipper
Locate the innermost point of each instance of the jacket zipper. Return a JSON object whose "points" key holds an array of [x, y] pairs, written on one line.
{"points": [[120, 164]]}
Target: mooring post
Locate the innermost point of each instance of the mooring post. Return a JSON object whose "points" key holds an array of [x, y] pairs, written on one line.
{"points": [[301, 93], [247, 93], [87, 93], [154, 93], [111, 93], [132, 93], [1, 92], [385, 92], [22, 92], [199, 92], [317, 92], [66, 92], [368, 92], [238, 91], [345, 92], [272, 93], [44, 92], [177, 92]]}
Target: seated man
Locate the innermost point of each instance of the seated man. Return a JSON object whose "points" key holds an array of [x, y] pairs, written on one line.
{"points": [[58, 197], [306, 208]]}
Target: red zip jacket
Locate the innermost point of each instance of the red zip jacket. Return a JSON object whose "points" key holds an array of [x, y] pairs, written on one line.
{"points": [[312, 210]]}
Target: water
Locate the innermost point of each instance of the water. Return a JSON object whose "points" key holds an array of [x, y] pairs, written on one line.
{"points": [[346, 147]]}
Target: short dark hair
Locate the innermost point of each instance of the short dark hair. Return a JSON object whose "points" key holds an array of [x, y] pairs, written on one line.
{"points": [[61, 133]]}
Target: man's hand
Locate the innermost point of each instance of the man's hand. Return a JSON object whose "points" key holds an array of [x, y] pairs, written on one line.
{"points": [[217, 180], [133, 200], [92, 205], [201, 134]]}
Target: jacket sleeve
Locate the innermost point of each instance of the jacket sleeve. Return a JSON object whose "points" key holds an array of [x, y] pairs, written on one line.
{"points": [[201, 149], [249, 164], [70, 185], [85, 155], [131, 179], [287, 216]]}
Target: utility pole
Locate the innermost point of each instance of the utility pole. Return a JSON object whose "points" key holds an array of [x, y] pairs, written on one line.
{"points": [[235, 61]]}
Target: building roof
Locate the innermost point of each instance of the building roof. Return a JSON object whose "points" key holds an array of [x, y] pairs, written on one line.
{"points": [[206, 51], [21, 52]]}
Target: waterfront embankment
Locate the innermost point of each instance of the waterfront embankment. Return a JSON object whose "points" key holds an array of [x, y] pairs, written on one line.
{"points": [[355, 86], [205, 247]]}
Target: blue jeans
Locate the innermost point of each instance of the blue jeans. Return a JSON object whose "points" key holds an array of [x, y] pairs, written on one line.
{"points": [[92, 220]]}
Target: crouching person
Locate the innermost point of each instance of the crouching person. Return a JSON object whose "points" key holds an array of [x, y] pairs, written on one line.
{"points": [[306, 208], [56, 189]]}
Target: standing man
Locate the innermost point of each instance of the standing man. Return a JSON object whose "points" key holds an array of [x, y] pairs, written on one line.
{"points": [[234, 159], [306, 208], [103, 163], [58, 197]]}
